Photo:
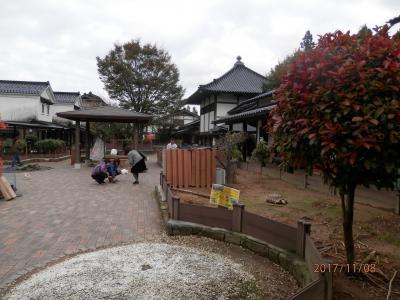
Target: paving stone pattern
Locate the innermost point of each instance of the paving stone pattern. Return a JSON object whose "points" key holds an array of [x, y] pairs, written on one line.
{"points": [[63, 211]]}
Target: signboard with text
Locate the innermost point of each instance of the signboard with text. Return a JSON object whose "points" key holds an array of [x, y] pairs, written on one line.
{"points": [[224, 195]]}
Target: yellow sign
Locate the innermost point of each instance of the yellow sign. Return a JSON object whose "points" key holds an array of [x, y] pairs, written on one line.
{"points": [[224, 196]]}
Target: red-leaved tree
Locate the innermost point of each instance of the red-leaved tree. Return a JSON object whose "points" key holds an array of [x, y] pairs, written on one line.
{"points": [[338, 109]]}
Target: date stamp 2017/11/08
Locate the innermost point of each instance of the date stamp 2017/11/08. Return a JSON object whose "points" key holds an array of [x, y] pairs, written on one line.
{"points": [[353, 268]]}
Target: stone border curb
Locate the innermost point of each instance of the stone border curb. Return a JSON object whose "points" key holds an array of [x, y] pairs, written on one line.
{"points": [[289, 261]]}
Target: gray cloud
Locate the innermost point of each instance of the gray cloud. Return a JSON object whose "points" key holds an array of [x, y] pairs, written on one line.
{"points": [[59, 40]]}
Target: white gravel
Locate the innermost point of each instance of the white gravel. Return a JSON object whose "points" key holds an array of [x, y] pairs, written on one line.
{"points": [[138, 271]]}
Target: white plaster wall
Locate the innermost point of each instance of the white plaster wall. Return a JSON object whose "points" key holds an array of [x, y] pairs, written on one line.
{"points": [[238, 127], [56, 108], [19, 108], [43, 116], [202, 124], [206, 122], [188, 119], [48, 94], [223, 108], [211, 118]]}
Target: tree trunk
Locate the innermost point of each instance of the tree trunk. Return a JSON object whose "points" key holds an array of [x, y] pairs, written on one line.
{"points": [[347, 199]]}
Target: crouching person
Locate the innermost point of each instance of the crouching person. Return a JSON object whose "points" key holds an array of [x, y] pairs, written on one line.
{"points": [[112, 169], [99, 172]]}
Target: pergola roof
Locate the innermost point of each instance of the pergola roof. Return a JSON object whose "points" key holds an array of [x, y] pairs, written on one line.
{"points": [[106, 114]]}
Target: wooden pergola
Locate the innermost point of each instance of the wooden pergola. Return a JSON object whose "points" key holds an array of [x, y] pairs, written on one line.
{"points": [[108, 114]]}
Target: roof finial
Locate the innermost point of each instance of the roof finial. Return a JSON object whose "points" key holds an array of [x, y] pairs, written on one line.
{"points": [[239, 61]]}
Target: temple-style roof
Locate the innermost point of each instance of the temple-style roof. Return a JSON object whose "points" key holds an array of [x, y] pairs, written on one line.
{"points": [[23, 87], [67, 97], [88, 100], [106, 114], [239, 80]]}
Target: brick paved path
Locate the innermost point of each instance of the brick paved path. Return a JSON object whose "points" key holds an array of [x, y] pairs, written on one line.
{"points": [[63, 211]]}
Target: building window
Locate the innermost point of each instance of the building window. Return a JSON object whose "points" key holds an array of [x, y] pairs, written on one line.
{"points": [[42, 108], [48, 109]]}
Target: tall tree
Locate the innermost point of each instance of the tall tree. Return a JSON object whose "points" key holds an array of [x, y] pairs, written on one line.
{"points": [[307, 43], [273, 78], [141, 77], [339, 108]]}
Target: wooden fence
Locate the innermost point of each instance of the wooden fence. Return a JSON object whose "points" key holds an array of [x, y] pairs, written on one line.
{"points": [[189, 167], [296, 240]]}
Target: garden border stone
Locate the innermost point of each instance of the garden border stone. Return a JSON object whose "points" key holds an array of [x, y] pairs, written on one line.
{"points": [[287, 260]]}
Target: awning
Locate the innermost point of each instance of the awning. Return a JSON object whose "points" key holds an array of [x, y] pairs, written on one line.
{"points": [[244, 115], [35, 124]]}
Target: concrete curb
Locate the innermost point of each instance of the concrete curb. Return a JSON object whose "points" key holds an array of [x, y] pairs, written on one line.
{"points": [[287, 260]]}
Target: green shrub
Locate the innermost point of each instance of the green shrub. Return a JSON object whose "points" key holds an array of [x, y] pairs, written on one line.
{"points": [[126, 142], [49, 145], [31, 139], [7, 144], [21, 144], [237, 154], [261, 153]]}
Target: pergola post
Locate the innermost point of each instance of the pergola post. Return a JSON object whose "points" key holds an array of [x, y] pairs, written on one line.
{"points": [[135, 136], [87, 154], [77, 164]]}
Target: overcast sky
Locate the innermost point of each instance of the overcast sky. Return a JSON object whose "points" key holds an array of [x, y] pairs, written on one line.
{"points": [[58, 41]]}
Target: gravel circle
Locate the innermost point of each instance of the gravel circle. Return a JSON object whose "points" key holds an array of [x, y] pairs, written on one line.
{"points": [[141, 271]]}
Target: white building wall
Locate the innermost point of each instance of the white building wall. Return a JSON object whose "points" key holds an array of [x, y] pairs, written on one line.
{"points": [[207, 122], [211, 118], [202, 124], [188, 119], [238, 127], [46, 116], [223, 108], [56, 108], [19, 108]]}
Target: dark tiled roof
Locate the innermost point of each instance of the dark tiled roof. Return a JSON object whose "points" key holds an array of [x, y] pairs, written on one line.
{"points": [[67, 97], [189, 113], [189, 127], [244, 115], [90, 96], [250, 103], [106, 114], [239, 79], [23, 87], [36, 124]]}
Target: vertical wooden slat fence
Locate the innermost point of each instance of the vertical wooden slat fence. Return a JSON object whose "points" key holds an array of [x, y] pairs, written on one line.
{"points": [[189, 167]]}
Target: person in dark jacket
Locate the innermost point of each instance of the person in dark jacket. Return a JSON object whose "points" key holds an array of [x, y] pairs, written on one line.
{"points": [[112, 169], [15, 154], [137, 161]]}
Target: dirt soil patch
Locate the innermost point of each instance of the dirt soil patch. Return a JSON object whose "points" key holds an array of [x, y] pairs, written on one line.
{"points": [[374, 229]]}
